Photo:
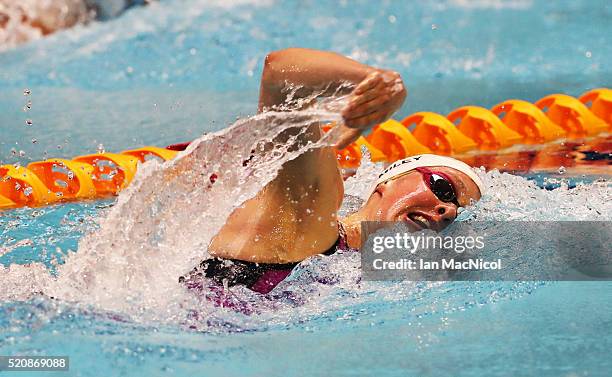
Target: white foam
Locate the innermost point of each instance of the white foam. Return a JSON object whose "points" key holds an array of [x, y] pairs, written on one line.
{"points": [[162, 223], [492, 4], [19, 20]]}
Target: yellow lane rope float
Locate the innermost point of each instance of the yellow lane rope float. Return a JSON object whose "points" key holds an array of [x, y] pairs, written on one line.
{"points": [[465, 129]]}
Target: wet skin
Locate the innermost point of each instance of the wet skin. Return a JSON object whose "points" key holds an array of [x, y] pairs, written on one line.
{"points": [[295, 215], [409, 199]]}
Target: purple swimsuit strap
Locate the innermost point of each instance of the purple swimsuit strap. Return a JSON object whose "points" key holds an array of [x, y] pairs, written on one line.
{"points": [[271, 278], [265, 283]]}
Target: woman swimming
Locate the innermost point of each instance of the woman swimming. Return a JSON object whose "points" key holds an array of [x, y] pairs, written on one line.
{"points": [[295, 215]]}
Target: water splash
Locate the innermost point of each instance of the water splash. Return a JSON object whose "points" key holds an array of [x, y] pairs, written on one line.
{"points": [[162, 224], [24, 20], [160, 227]]}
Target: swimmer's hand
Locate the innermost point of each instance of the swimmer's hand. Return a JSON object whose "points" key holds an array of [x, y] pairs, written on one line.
{"points": [[373, 101]]}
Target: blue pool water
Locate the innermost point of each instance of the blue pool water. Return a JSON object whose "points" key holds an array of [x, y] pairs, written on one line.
{"points": [[176, 69]]}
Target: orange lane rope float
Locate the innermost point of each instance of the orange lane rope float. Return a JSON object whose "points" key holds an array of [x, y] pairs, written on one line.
{"points": [[464, 130], [572, 115], [600, 103]]}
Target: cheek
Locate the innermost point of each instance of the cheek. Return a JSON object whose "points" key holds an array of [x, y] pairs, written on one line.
{"points": [[395, 204], [379, 213]]}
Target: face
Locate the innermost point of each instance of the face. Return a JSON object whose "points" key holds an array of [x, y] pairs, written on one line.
{"points": [[409, 198]]}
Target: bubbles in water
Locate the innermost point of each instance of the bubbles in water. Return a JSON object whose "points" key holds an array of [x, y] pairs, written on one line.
{"points": [[34, 140], [28, 122], [26, 92], [588, 54], [162, 223], [434, 27]]}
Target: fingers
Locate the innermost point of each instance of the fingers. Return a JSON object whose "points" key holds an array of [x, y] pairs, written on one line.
{"points": [[366, 96], [367, 107], [372, 80], [368, 120], [374, 101], [375, 111], [390, 77], [381, 92], [374, 86]]}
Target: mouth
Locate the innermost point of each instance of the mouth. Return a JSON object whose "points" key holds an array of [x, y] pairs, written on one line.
{"points": [[419, 220]]}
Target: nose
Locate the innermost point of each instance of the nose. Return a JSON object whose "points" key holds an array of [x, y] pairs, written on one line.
{"points": [[445, 213]]}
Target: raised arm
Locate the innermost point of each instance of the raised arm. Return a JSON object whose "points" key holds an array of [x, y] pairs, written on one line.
{"points": [[376, 93], [294, 216], [311, 69]]}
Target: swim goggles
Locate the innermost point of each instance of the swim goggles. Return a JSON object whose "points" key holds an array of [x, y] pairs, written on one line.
{"points": [[440, 184]]}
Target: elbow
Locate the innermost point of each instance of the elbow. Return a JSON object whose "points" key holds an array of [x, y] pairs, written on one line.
{"points": [[272, 58], [273, 66], [279, 55], [275, 60], [269, 67]]}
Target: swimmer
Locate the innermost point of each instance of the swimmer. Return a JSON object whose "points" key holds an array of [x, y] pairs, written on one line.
{"points": [[295, 215]]}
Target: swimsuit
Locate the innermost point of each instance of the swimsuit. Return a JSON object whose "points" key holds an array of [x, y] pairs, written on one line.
{"points": [[258, 277]]}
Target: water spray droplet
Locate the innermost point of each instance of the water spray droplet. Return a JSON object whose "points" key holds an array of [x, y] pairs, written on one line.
{"points": [[28, 122], [562, 170], [26, 92], [34, 140], [101, 148], [434, 27]]}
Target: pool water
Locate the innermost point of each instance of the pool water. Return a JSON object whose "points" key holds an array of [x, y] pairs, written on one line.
{"points": [[174, 70]]}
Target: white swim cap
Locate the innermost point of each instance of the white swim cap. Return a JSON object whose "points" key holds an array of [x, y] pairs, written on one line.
{"points": [[427, 160]]}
